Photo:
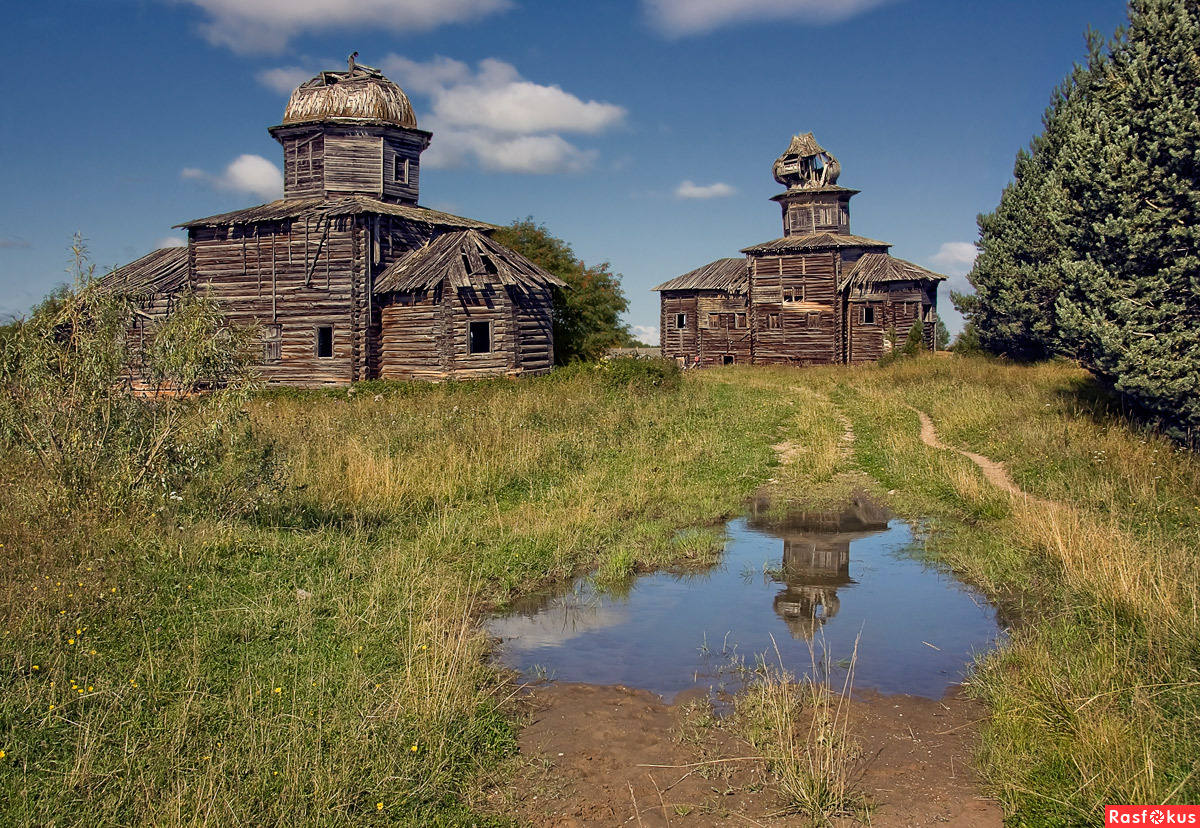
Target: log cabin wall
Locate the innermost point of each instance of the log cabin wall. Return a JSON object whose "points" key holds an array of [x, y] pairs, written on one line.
{"points": [[722, 328], [677, 326], [534, 330], [893, 307], [353, 162], [794, 302], [410, 325], [490, 305], [815, 212], [304, 165], [290, 278], [401, 168]]}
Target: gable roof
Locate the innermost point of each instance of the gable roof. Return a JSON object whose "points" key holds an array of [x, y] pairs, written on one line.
{"points": [[877, 268], [465, 259], [724, 274], [291, 208], [163, 271], [815, 241]]}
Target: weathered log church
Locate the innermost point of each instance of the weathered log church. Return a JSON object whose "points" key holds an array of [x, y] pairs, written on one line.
{"points": [[346, 277], [817, 295]]}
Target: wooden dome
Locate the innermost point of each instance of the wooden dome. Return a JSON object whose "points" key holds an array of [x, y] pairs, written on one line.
{"points": [[360, 94]]}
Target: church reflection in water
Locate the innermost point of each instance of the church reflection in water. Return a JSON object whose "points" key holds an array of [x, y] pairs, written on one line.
{"points": [[816, 558]]}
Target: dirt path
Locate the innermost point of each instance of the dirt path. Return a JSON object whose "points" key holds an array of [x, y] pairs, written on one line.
{"points": [[996, 473], [614, 756]]}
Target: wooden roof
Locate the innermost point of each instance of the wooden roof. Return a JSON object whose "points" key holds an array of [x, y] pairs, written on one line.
{"points": [[292, 208], [724, 274], [815, 241], [362, 94], [163, 271], [465, 259], [877, 268]]}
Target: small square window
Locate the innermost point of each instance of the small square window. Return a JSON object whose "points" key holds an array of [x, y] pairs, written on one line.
{"points": [[727, 359], [814, 320], [740, 320], [773, 321], [714, 320], [868, 315], [680, 321], [325, 341], [479, 337], [400, 169]]}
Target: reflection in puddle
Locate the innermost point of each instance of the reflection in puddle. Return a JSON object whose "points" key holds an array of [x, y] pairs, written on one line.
{"points": [[786, 582]]}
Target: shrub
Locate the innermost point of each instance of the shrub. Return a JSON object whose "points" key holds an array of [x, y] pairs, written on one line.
{"points": [[67, 400]]}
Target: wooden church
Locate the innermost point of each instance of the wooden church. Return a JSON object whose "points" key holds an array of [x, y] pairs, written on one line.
{"points": [[346, 277], [817, 295]]}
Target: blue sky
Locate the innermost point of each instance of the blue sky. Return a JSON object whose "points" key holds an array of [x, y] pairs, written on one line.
{"points": [[641, 131]]}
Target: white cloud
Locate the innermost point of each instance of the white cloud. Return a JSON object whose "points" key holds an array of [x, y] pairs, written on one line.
{"points": [[718, 190], [679, 18], [646, 333], [249, 26], [251, 174], [955, 258], [283, 79], [495, 118], [170, 241]]}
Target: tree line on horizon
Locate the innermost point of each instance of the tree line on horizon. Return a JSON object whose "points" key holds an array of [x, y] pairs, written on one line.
{"points": [[1094, 250]]}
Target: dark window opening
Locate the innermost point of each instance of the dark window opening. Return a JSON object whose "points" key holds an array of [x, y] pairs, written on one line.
{"points": [[680, 321], [325, 341], [868, 315], [400, 170], [727, 359], [479, 337]]}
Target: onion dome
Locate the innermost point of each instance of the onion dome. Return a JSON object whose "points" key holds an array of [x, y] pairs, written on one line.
{"points": [[360, 94], [806, 165]]}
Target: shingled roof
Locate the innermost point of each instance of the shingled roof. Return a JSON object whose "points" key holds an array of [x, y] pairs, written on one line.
{"points": [[877, 268], [724, 274], [163, 271], [291, 208], [816, 241], [465, 259]]}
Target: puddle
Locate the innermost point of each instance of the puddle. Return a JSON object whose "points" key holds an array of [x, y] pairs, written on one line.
{"points": [[800, 583]]}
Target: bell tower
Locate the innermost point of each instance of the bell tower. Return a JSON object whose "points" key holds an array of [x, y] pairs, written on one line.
{"points": [[351, 133], [813, 202]]}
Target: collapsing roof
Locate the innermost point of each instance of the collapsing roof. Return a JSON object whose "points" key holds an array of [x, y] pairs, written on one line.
{"points": [[728, 275], [465, 259], [293, 208], [816, 241], [878, 268], [163, 271]]}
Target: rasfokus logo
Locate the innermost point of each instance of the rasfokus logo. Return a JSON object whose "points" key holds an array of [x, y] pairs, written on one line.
{"points": [[1162, 815]]}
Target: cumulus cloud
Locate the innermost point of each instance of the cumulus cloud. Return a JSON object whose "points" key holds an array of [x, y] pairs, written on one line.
{"points": [[12, 243], [170, 241], [645, 333], [679, 18], [497, 119], [251, 174], [955, 258], [717, 190], [249, 26], [283, 79]]}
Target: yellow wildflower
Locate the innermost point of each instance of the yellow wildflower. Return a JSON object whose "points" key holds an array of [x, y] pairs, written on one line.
{"points": [[378, 805], [278, 690], [2, 753], [413, 748], [70, 640]]}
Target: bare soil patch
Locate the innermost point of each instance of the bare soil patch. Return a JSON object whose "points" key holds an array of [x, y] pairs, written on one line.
{"points": [[615, 756]]}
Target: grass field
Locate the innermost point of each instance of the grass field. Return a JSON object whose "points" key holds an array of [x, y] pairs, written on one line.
{"points": [[319, 661]]}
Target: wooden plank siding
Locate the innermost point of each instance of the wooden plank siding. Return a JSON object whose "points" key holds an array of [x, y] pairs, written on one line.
{"points": [[680, 343], [794, 297]]}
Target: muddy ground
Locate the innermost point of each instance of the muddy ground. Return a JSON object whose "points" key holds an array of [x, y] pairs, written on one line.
{"points": [[615, 756]]}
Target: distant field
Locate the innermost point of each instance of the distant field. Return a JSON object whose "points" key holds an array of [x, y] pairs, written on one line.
{"points": [[320, 663]]}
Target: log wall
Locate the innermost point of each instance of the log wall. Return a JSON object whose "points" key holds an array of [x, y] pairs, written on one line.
{"points": [[353, 164], [304, 166], [678, 343], [896, 305], [794, 301]]}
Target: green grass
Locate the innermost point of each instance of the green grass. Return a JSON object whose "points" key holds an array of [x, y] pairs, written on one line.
{"points": [[321, 663], [281, 667]]}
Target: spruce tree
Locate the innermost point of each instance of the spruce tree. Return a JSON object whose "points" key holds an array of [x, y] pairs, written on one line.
{"points": [[1132, 260]]}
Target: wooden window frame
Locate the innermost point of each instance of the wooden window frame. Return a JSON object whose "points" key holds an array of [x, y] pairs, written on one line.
{"points": [[774, 322], [741, 321], [714, 320], [868, 311], [399, 164], [272, 341], [728, 359], [681, 321], [317, 341], [487, 323]]}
